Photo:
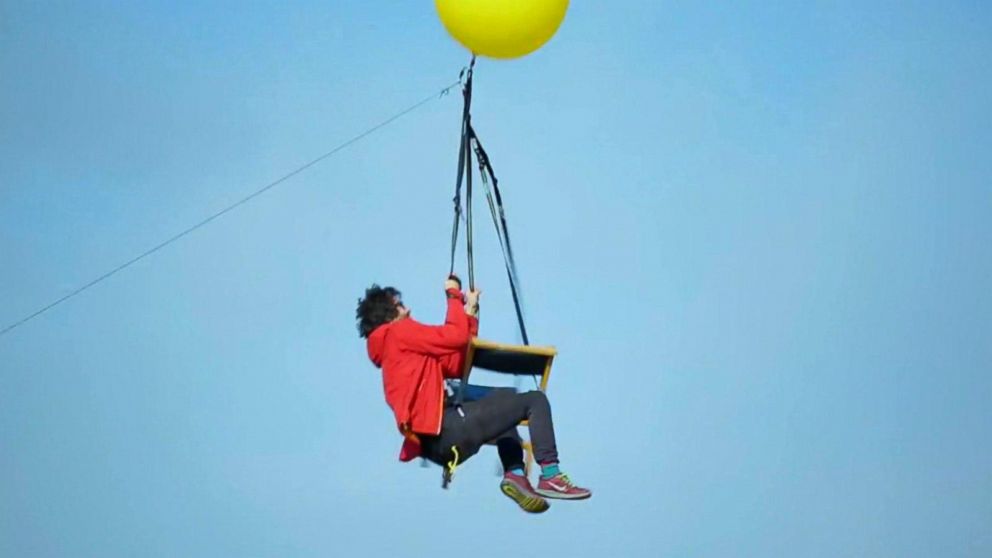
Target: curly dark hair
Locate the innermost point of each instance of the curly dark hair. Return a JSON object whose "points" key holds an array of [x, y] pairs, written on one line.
{"points": [[377, 308]]}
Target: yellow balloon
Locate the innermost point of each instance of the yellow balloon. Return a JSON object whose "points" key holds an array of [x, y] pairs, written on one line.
{"points": [[502, 28]]}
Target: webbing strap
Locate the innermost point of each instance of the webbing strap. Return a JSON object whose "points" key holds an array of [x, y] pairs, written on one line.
{"points": [[464, 174], [468, 209], [469, 143], [463, 155], [503, 232]]}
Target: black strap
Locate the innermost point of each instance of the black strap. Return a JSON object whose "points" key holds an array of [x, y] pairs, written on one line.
{"points": [[464, 172], [486, 168], [468, 208], [463, 154], [469, 143], [503, 232]]}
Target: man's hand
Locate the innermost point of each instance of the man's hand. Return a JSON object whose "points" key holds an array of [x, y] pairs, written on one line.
{"points": [[453, 282], [472, 302]]}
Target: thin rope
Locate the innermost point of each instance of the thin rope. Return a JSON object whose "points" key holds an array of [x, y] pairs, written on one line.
{"points": [[231, 207]]}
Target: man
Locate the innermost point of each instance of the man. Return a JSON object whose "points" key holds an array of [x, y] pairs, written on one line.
{"points": [[415, 360]]}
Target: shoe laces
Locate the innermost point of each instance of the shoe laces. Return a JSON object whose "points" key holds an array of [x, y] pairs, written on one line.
{"points": [[563, 478]]}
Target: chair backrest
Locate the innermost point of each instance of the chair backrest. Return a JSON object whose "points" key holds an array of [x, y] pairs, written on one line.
{"points": [[523, 360]]}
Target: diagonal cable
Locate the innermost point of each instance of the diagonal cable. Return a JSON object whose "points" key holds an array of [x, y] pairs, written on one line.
{"points": [[231, 207]]}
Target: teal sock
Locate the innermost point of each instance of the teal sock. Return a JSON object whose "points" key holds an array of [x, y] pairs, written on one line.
{"points": [[518, 470], [549, 470]]}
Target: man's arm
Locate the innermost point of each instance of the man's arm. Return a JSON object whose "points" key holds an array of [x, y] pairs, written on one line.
{"points": [[453, 364], [438, 341]]}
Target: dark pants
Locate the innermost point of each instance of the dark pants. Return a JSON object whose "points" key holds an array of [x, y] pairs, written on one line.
{"points": [[493, 420]]}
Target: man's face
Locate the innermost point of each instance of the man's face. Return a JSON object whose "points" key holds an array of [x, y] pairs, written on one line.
{"points": [[401, 309]]}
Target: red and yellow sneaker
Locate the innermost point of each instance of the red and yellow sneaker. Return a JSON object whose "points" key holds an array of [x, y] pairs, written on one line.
{"points": [[560, 486], [518, 489]]}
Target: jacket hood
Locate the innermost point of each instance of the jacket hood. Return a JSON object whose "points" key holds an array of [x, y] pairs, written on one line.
{"points": [[377, 344]]}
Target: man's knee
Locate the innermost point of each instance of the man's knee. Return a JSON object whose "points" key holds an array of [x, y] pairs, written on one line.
{"points": [[537, 398]]}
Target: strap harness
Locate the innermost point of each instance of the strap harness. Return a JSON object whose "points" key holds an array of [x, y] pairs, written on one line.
{"points": [[469, 144]]}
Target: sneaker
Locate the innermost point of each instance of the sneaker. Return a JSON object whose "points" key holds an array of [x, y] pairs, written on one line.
{"points": [[559, 486], [518, 489]]}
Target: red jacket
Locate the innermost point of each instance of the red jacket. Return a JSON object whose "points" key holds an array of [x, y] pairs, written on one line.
{"points": [[415, 358]]}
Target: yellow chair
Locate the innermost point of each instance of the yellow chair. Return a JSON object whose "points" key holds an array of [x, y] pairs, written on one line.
{"points": [[518, 360]]}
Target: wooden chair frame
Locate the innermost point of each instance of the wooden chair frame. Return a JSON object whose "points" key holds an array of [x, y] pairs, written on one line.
{"points": [[548, 353]]}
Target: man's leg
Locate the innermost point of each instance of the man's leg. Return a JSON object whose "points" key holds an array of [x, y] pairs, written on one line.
{"points": [[492, 417], [509, 444], [493, 420], [490, 420], [492, 414], [511, 452]]}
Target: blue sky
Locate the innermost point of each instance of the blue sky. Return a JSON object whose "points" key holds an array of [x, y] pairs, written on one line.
{"points": [[757, 234]]}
